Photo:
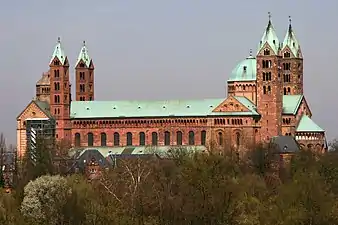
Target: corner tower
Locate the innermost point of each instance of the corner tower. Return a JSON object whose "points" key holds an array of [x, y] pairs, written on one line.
{"points": [[292, 64], [269, 95], [84, 76], [60, 92]]}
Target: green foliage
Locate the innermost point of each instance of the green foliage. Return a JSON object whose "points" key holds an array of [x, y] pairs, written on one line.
{"points": [[184, 189]]}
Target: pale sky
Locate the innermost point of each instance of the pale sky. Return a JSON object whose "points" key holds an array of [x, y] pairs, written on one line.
{"points": [[151, 49]]}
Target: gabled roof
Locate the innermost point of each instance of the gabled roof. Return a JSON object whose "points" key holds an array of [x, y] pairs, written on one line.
{"points": [[306, 124], [164, 108], [285, 144], [42, 105], [291, 103], [170, 108]]}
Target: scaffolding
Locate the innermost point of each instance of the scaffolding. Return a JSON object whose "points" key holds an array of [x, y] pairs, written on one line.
{"points": [[39, 129]]}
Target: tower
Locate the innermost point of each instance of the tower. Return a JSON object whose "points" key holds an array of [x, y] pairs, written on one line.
{"points": [[60, 92], [269, 83], [292, 64], [84, 76], [43, 88]]}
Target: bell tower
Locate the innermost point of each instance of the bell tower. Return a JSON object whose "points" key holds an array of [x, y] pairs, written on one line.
{"points": [[60, 92], [269, 83], [84, 76], [292, 64]]}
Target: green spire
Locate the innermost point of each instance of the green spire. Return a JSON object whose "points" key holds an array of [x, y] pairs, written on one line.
{"points": [[83, 55], [58, 52], [270, 37], [291, 41]]}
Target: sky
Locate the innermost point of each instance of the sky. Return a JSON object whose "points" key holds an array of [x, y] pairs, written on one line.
{"points": [[151, 49]]}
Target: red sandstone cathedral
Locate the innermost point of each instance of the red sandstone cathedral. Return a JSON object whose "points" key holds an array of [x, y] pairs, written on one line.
{"points": [[265, 99]]}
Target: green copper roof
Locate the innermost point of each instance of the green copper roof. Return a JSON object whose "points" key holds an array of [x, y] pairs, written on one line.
{"points": [[58, 52], [246, 102], [83, 55], [291, 103], [291, 41], [136, 150], [44, 107], [166, 108], [306, 124], [169, 108], [269, 37], [245, 70]]}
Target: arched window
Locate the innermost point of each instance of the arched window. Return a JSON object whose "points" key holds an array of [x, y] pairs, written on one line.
{"points": [[77, 140], [154, 138], [238, 139], [116, 139], [142, 138], [289, 91], [103, 139], [264, 90], [90, 138], [220, 138], [167, 138], [191, 138], [56, 98], [179, 137], [203, 137], [129, 139], [284, 91]]}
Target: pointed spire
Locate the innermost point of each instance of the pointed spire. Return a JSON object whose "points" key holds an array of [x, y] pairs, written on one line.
{"points": [[58, 52], [269, 37], [291, 41], [83, 55]]}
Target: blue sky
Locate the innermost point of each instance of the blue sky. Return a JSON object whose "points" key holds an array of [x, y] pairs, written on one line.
{"points": [[154, 49]]}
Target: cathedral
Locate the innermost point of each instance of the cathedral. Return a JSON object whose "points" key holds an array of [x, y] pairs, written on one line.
{"points": [[265, 99]]}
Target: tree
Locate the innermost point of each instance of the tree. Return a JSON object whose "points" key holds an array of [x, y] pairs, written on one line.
{"points": [[44, 199]]}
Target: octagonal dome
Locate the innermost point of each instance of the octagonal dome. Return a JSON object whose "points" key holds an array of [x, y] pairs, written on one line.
{"points": [[245, 70]]}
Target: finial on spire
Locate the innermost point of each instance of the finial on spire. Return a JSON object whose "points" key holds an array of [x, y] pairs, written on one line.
{"points": [[84, 43], [59, 39], [269, 14], [290, 22], [250, 52]]}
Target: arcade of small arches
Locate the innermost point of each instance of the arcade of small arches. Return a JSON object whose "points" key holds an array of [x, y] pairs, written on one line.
{"points": [[45, 90], [286, 121], [242, 87], [229, 121], [136, 123], [142, 139]]}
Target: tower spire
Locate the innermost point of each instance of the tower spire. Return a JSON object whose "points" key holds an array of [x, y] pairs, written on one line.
{"points": [[83, 55], [58, 52], [290, 40], [269, 37]]}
